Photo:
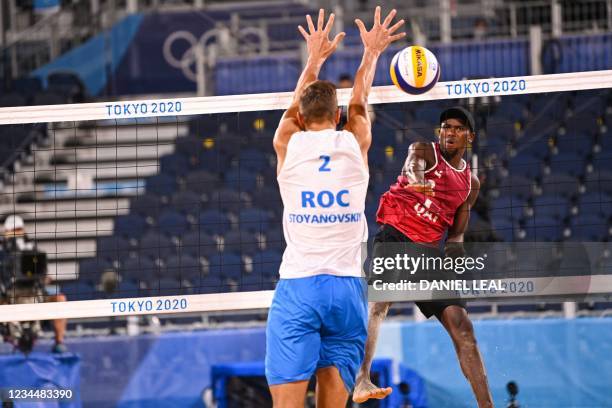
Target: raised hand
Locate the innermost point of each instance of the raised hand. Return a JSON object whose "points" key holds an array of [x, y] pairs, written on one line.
{"points": [[381, 35], [317, 39]]}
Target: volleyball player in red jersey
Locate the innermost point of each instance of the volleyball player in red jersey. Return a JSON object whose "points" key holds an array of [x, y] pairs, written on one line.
{"points": [[432, 196]]}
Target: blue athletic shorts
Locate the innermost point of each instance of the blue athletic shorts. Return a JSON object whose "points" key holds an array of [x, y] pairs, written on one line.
{"points": [[316, 322]]}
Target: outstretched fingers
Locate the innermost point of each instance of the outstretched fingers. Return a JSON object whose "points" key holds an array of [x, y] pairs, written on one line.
{"points": [[389, 18], [339, 37], [321, 20], [361, 26], [395, 26], [311, 27], [303, 32], [330, 23], [377, 16]]}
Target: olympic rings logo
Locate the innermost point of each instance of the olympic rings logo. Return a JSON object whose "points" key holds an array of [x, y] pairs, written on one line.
{"points": [[187, 62]]}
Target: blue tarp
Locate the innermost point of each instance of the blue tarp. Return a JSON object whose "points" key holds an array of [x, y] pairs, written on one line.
{"points": [[42, 371]]}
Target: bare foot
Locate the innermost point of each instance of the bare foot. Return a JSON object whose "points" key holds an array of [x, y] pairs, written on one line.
{"points": [[365, 390]]}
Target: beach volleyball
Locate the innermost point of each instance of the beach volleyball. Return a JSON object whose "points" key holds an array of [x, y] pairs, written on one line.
{"points": [[415, 70]]}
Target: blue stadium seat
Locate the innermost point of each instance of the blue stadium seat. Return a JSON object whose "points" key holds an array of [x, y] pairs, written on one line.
{"points": [[198, 244], [598, 181], [209, 284], [161, 184], [187, 202], [228, 200], [596, 203], [241, 242], [214, 222], [201, 181], [226, 265], [267, 263], [254, 219], [253, 160], [494, 144], [508, 207], [90, 269], [172, 223], [78, 290], [525, 165], [139, 269], [560, 184], [590, 227], [504, 228], [112, 248], [551, 207], [515, 185], [267, 197], [241, 180], [174, 164], [567, 163], [156, 245], [130, 225], [125, 288], [510, 111], [543, 228], [574, 143], [147, 205], [183, 267], [275, 238]]}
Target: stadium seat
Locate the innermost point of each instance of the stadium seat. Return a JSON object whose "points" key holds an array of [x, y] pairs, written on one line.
{"points": [[567, 163], [147, 205], [172, 223], [515, 185], [267, 197], [574, 142], [551, 206], [139, 269], [596, 203], [504, 228], [241, 242], [598, 181], [241, 180], [112, 248], [27, 86], [201, 181], [155, 245], [187, 202], [161, 184], [509, 207], [182, 267], [525, 165], [90, 269], [543, 228], [78, 290], [252, 160], [590, 227], [209, 284], [130, 226], [275, 239], [227, 199], [214, 222], [254, 219], [560, 184], [226, 265], [198, 244], [174, 164]]}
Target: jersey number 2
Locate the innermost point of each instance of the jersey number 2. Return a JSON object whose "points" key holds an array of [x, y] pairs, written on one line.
{"points": [[325, 165]]}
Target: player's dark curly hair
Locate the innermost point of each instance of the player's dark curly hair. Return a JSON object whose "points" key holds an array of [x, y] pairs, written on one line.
{"points": [[319, 102]]}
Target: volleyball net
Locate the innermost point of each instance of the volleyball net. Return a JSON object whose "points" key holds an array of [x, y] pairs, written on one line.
{"points": [[172, 205]]}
